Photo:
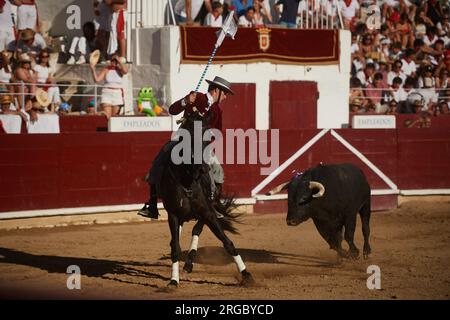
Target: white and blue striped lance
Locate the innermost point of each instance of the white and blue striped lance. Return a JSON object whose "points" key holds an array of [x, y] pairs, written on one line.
{"points": [[229, 29]]}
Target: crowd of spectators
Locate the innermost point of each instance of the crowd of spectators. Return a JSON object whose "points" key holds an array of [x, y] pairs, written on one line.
{"points": [[27, 84], [401, 67]]}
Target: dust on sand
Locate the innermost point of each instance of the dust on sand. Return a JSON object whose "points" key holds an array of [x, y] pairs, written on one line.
{"points": [[132, 261]]}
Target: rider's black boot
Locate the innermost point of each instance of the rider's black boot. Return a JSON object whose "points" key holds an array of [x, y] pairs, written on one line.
{"points": [[150, 209]]}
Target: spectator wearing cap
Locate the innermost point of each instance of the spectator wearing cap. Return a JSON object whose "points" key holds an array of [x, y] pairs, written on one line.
{"points": [[24, 74], [214, 18], [27, 16], [409, 67], [356, 106], [45, 79], [30, 42], [396, 72], [426, 80], [7, 107], [366, 75], [357, 93], [7, 28], [384, 50]]}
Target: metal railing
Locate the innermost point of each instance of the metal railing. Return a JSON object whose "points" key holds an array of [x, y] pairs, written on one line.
{"points": [[319, 14], [82, 91]]}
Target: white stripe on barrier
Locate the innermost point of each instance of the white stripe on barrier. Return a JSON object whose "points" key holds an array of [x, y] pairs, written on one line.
{"points": [[90, 210], [425, 192], [286, 164], [365, 160]]}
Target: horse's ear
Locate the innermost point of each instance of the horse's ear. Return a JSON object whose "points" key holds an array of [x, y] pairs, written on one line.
{"points": [[278, 189]]}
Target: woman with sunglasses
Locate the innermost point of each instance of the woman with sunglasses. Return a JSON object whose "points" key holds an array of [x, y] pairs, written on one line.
{"points": [[45, 79]]}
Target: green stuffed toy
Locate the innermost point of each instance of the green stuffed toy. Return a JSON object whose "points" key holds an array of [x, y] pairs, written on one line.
{"points": [[147, 103]]}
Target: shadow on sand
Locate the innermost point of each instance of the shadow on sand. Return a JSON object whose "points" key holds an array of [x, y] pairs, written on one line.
{"points": [[124, 271]]}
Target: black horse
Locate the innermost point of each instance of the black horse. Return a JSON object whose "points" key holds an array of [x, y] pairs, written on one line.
{"points": [[185, 190]]}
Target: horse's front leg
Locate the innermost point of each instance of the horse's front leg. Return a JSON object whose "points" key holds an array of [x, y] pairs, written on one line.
{"points": [[189, 264], [216, 228], [175, 249]]}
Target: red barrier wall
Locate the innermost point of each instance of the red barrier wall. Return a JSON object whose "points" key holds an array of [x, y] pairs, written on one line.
{"points": [[98, 168]]}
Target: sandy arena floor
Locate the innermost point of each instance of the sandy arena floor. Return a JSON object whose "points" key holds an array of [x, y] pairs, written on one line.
{"points": [[131, 261]]}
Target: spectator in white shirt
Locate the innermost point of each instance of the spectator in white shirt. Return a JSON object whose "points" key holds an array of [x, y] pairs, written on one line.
{"points": [[45, 79], [246, 20], [188, 11], [214, 18], [408, 65], [396, 72], [7, 32], [350, 10]]}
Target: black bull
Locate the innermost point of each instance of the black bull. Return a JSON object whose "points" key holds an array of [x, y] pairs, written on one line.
{"points": [[332, 195]]}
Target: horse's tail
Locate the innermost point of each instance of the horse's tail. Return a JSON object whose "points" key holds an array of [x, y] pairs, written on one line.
{"points": [[226, 206]]}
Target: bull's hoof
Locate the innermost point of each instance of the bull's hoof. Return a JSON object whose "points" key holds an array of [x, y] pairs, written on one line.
{"points": [[353, 254], [188, 267], [366, 252], [247, 279], [173, 284]]}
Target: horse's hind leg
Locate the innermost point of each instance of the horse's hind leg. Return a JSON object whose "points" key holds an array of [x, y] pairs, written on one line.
{"points": [[215, 227], [189, 264], [175, 249]]}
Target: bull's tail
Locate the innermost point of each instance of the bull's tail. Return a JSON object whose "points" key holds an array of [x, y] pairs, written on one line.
{"points": [[225, 207], [365, 213]]}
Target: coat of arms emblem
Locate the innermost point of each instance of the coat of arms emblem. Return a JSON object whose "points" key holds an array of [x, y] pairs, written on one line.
{"points": [[264, 38]]}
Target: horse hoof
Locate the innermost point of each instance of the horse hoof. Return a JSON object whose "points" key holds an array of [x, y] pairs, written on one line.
{"points": [[247, 279], [173, 283], [188, 267]]}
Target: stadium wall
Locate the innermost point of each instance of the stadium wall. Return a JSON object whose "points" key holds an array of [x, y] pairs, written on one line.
{"points": [[98, 169]]}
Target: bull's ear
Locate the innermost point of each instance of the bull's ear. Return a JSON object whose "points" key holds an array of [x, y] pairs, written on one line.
{"points": [[278, 189]]}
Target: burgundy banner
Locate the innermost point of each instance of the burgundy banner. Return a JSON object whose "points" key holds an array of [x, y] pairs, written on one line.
{"points": [[277, 45]]}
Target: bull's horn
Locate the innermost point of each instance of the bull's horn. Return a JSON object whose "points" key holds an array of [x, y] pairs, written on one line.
{"points": [[278, 189], [317, 185]]}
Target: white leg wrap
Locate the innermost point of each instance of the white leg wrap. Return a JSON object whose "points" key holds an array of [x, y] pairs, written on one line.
{"points": [[176, 272], [181, 230], [194, 243], [240, 264]]}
